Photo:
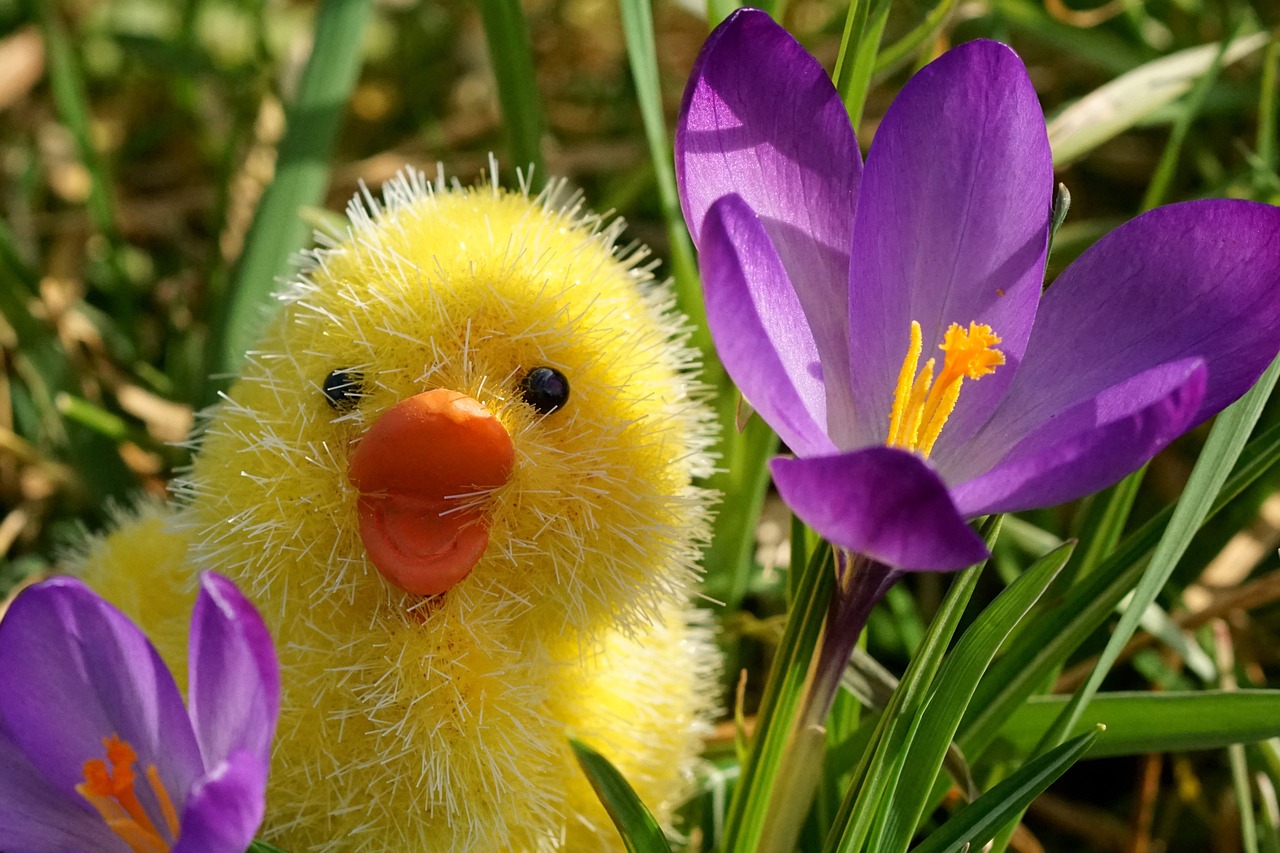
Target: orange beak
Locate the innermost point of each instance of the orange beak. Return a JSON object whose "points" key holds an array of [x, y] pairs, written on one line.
{"points": [[424, 472]]}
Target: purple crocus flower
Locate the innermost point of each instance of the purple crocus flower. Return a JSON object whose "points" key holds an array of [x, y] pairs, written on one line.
{"points": [[888, 321], [97, 751]]}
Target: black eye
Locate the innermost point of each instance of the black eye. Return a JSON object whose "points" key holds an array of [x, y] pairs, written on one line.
{"points": [[342, 389], [545, 388]]}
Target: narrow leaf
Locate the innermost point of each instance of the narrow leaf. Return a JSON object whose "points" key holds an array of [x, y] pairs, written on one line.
{"points": [[637, 27], [1124, 102], [640, 832], [864, 27], [512, 58], [978, 822], [1142, 722], [936, 726], [302, 174]]}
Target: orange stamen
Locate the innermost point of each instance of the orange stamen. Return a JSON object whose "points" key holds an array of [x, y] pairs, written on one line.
{"points": [[923, 403], [166, 804], [111, 791]]}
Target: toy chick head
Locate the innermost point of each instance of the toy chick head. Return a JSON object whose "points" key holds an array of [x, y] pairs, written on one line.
{"points": [[472, 390]]}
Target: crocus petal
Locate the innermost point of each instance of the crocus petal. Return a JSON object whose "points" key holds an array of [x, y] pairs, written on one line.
{"points": [[1191, 280], [761, 118], [759, 329], [37, 818], [235, 679], [225, 807], [76, 671], [951, 227], [881, 502], [1093, 444]]}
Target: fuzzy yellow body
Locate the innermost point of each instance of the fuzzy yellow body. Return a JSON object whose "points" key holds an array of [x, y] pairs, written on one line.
{"points": [[439, 723]]}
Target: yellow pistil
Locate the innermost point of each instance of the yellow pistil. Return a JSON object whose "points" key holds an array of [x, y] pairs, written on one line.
{"points": [[922, 402], [110, 790]]}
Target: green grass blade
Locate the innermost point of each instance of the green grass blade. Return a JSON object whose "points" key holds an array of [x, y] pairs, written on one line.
{"points": [[1046, 641], [1244, 798], [302, 174], [637, 27], [781, 703], [936, 725], [640, 831], [1266, 163], [517, 80], [856, 62], [1142, 722], [978, 822], [1097, 47], [1221, 450]]}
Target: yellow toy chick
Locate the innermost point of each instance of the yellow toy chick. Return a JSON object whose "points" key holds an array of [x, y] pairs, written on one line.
{"points": [[457, 480]]}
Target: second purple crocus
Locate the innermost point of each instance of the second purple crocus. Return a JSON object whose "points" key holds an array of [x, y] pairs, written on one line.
{"points": [[887, 320], [97, 751]]}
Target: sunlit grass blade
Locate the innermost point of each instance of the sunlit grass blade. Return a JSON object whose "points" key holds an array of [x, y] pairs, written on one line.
{"points": [[637, 27], [1268, 776], [936, 725], [978, 822], [302, 174], [864, 27], [517, 80], [640, 832], [877, 773], [1046, 641], [1132, 97], [783, 696], [1142, 722], [1221, 450]]}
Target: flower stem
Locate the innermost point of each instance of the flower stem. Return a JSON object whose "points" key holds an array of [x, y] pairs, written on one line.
{"points": [[780, 705], [860, 583]]}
